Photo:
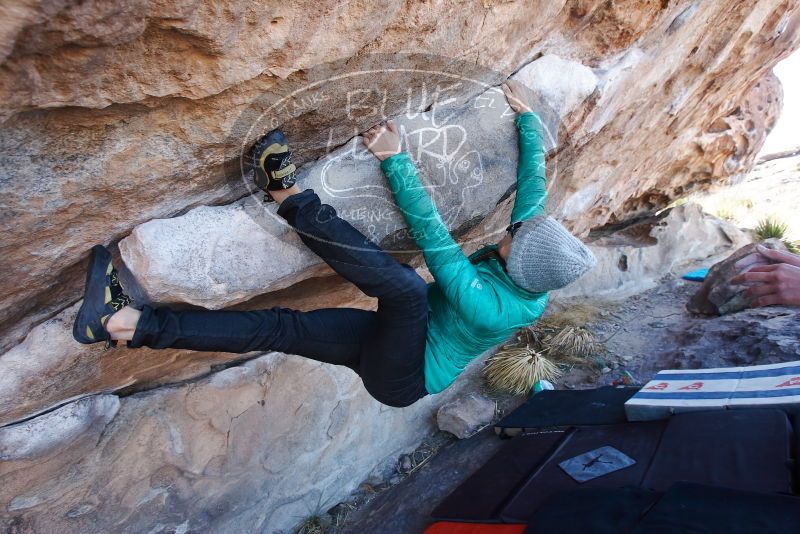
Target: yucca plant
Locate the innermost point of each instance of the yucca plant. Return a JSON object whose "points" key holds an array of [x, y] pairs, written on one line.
{"points": [[536, 354], [563, 340], [770, 227], [516, 369]]}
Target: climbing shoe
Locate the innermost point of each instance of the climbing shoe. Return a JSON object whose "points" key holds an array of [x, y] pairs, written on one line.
{"points": [[102, 297], [272, 164]]}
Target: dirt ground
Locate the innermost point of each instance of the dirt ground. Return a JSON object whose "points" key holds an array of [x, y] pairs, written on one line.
{"points": [[642, 335]]}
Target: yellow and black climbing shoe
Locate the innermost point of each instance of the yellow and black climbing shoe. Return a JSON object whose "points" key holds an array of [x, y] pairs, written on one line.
{"points": [[272, 164], [103, 296]]}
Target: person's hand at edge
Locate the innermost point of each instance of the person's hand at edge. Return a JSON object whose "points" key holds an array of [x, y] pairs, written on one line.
{"points": [[515, 94], [777, 283]]}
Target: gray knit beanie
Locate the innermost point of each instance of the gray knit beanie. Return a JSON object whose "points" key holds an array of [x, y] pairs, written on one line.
{"points": [[544, 256]]}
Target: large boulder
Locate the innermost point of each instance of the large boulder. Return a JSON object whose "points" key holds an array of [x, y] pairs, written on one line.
{"points": [[718, 295], [252, 448], [634, 258], [120, 113]]}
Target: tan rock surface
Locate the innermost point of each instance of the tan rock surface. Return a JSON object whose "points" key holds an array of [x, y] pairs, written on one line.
{"points": [[117, 112], [253, 448], [120, 113], [48, 368]]}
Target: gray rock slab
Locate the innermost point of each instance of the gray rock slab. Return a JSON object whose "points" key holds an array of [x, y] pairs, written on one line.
{"points": [[252, 448]]}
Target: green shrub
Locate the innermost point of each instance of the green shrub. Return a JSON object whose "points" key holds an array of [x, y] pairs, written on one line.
{"points": [[770, 227]]}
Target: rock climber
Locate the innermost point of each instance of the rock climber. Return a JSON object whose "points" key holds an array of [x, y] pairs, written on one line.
{"points": [[421, 336]]}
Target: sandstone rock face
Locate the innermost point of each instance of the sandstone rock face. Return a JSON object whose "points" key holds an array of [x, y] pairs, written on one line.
{"points": [[633, 259], [140, 108], [127, 121], [49, 368], [239, 451]]}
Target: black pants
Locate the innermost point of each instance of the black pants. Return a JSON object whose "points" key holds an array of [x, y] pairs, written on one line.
{"points": [[386, 347]]}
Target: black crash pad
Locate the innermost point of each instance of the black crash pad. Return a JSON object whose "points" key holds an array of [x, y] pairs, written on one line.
{"points": [[592, 510], [689, 507], [740, 449], [637, 440], [484, 494], [560, 408], [745, 448]]}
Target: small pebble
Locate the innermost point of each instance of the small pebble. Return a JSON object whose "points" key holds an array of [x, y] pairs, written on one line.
{"points": [[605, 370], [614, 365], [374, 481]]}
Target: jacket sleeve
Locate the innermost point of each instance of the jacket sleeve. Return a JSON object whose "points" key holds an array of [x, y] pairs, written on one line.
{"points": [[456, 275], [531, 184]]}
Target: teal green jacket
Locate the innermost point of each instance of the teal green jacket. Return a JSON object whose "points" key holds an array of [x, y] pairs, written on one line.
{"points": [[471, 308]]}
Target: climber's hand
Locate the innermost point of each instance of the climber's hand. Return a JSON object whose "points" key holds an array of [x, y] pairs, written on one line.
{"points": [[781, 256], [515, 94], [777, 283], [383, 140]]}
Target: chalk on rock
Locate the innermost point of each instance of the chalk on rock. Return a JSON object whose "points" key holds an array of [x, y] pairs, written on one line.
{"points": [[466, 415]]}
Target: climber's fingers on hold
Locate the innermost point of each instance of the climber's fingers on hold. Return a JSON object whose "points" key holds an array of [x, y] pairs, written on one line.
{"points": [[509, 93], [756, 275], [761, 290], [391, 126], [780, 256], [370, 135], [764, 268], [514, 88]]}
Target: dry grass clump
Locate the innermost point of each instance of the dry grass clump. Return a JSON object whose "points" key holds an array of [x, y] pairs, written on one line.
{"points": [[575, 313], [538, 352], [516, 369], [314, 524]]}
